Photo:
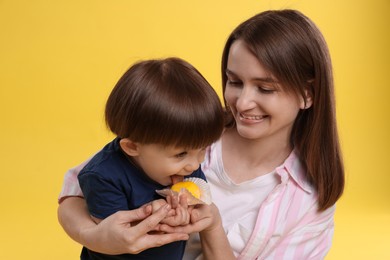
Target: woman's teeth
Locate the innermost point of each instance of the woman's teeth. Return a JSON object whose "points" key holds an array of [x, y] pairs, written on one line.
{"points": [[252, 117]]}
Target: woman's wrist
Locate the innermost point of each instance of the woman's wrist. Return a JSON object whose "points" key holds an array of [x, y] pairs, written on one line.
{"points": [[215, 244], [216, 220], [89, 237]]}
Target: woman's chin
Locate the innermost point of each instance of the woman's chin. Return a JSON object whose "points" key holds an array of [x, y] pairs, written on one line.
{"points": [[250, 134]]}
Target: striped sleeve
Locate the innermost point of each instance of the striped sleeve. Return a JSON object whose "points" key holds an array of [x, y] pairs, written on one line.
{"points": [[289, 225], [311, 238], [70, 186]]}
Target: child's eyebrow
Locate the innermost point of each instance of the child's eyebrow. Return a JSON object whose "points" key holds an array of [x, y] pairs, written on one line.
{"points": [[261, 79]]}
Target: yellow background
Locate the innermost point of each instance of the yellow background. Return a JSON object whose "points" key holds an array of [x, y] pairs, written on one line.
{"points": [[60, 59]]}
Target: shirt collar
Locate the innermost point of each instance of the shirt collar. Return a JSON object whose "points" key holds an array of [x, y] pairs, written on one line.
{"points": [[293, 167]]}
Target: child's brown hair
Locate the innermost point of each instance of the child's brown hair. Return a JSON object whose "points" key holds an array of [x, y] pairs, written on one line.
{"points": [[165, 101]]}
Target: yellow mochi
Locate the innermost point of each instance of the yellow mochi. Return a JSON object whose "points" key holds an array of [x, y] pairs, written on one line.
{"points": [[188, 185]]}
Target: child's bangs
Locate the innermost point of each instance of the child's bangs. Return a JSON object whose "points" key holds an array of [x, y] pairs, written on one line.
{"points": [[188, 123]]}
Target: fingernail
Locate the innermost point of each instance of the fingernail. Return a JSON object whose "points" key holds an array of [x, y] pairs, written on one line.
{"points": [[148, 209]]}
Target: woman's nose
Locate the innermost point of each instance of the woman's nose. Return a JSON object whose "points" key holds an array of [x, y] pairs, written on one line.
{"points": [[244, 99]]}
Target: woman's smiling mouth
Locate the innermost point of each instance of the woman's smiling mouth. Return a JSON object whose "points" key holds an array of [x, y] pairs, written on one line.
{"points": [[251, 118]]}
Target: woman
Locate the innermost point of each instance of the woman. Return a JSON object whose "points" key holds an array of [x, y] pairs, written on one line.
{"points": [[276, 172]]}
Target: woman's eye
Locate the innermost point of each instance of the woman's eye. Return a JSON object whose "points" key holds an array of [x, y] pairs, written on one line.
{"points": [[266, 90], [234, 82]]}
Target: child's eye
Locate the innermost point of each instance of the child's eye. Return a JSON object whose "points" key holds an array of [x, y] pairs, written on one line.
{"points": [[181, 155]]}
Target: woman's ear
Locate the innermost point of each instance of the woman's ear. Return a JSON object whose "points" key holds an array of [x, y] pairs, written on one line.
{"points": [[307, 100], [129, 147]]}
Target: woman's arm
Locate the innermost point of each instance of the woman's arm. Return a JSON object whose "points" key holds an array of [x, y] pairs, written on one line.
{"points": [[115, 234], [311, 238], [74, 217], [207, 221], [215, 244]]}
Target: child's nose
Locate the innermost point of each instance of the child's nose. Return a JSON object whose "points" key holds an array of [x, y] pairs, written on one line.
{"points": [[192, 165]]}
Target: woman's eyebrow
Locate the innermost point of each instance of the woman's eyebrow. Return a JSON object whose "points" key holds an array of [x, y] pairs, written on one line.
{"points": [[261, 79], [229, 72]]}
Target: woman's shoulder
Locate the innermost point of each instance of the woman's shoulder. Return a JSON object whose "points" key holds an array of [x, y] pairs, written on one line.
{"points": [[212, 154]]}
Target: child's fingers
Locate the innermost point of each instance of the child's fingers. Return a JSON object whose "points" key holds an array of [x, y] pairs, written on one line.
{"points": [[169, 199], [173, 201], [183, 200], [181, 217]]}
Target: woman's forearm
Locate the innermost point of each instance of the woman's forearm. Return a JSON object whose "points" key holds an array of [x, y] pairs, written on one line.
{"points": [[215, 244], [74, 218]]}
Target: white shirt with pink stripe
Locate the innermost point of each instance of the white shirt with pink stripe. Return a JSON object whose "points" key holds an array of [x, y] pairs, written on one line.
{"points": [[270, 217]]}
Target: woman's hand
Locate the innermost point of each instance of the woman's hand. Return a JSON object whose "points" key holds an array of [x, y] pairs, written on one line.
{"points": [[122, 232], [117, 232]]}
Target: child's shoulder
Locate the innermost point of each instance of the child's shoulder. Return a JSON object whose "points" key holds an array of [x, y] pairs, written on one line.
{"points": [[108, 160]]}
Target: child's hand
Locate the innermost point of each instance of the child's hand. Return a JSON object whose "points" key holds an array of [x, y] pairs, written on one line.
{"points": [[182, 212], [203, 218]]}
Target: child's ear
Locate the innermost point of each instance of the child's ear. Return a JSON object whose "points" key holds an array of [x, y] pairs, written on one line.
{"points": [[129, 147]]}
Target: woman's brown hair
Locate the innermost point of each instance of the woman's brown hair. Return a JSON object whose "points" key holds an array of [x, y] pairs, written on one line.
{"points": [[165, 101], [293, 50]]}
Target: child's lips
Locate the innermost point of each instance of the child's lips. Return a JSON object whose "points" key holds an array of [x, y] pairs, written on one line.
{"points": [[176, 178]]}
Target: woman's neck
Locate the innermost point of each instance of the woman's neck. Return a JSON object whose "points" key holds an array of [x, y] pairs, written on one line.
{"points": [[245, 159]]}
